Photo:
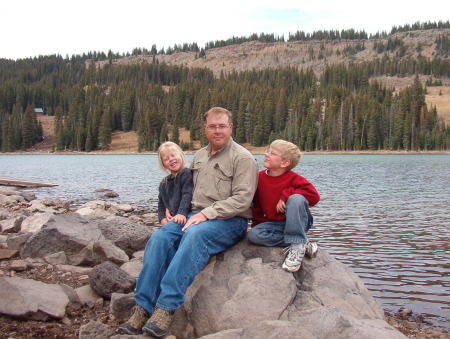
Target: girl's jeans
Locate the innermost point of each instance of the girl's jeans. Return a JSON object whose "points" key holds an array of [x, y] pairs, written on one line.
{"points": [[173, 258], [285, 232]]}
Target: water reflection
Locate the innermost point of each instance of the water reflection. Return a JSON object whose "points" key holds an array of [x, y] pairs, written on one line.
{"points": [[385, 216]]}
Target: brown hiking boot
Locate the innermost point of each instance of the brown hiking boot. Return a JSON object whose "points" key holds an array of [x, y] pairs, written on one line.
{"points": [[159, 323], [134, 325]]}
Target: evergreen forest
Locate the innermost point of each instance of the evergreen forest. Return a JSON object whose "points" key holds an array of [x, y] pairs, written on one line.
{"points": [[341, 108]]}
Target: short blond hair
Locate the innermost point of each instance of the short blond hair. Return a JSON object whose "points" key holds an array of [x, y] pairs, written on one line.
{"points": [[174, 148], [217, 111], [288, 151]]}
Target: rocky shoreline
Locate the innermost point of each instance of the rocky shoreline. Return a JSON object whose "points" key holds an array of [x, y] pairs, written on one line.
{"points": [[22, 215]]}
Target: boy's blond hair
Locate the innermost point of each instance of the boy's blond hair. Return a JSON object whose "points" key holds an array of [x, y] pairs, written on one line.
{"points": [[174, 148], [288, 151]]}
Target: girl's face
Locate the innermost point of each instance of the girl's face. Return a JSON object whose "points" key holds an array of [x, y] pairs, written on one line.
{"points": [[171, 161]]}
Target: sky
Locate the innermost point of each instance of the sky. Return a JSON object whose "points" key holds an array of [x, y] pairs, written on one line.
{"points": [[30, 28]]}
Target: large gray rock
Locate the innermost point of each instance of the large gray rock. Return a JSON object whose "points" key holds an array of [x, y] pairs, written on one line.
{"points": [[66, 232], [105, 250], [34, 300], [76, 235], [107, 278], [324, 322], [35, 222], [126, 234], [244, 293]]}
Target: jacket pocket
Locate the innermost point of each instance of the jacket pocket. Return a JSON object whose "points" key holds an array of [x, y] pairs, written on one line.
{"points": [[223, 179]]}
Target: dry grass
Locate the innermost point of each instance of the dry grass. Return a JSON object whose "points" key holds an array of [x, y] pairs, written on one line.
{"points": [[439, 96]]}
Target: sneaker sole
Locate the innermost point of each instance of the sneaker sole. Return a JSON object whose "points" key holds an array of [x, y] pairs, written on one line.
{"points": [[149, 331], [125, 330], [290, 269], [311, 250]]}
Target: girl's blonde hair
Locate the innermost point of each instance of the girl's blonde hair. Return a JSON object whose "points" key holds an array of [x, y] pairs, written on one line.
{"points": [[175, 149]]}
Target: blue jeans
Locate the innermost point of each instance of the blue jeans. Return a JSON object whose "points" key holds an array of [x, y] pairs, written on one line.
{"points": [[285, 232], [173, 258]]}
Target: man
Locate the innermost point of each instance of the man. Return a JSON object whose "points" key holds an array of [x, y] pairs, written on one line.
{"points": [[225, 180]]}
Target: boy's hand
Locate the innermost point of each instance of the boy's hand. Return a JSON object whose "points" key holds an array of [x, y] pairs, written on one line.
{"points": [[281, 206], [168, 215], [164, 221], [179, 219]]}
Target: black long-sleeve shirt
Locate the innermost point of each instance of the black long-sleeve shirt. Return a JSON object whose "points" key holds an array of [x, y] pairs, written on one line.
{"points": [[175, 193]]}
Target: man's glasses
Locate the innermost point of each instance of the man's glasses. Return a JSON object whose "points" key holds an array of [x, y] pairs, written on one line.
{"points": [[215, 127]]}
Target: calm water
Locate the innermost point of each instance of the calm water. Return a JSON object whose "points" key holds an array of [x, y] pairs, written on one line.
{"points": [[385, 216]]}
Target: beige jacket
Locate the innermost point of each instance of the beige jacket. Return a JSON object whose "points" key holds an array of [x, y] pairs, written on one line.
{"points": [[224, 184]]}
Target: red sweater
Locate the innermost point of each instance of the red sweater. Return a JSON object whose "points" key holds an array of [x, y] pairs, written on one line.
{"points": [[272, 189]]}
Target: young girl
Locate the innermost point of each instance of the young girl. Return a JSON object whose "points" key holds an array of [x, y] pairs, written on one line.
{"points": [[175, 190]]}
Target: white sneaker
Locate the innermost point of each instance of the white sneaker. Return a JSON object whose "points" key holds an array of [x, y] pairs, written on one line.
{"points": [[294, 259], [311, 249]]}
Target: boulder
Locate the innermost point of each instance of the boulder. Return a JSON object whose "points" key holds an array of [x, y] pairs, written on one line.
{"points": [[244, 293], [126, 234], [108, 278], [35, 222], [17, 241], [34, 300], [105, 250], [65, 232], [12, 225], [133, 267]]}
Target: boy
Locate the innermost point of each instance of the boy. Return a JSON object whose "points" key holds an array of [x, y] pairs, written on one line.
{"points": [[281, 215]]}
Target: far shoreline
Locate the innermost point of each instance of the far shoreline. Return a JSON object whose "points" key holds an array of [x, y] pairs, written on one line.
{"points": [[255, 152]]}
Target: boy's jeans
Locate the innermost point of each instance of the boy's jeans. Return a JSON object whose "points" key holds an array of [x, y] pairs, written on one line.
{"points": [[285, 232], [173, 258]]}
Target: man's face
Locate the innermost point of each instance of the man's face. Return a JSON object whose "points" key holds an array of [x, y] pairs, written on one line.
{"points": [[218, 130]]}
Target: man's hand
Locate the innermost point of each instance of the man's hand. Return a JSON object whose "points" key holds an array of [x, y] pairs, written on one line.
{"points": [[164, 221], [195, 219], [281, 206]]}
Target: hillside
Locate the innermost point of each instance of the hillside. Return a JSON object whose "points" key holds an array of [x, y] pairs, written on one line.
{"points": [[297, 54], [271, 87]]}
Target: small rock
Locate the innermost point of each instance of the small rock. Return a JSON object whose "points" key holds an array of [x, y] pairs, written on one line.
{"points": [[66, 321], [107, 278], [19, 265], [7, 253], [411, 325], [111, 194], [405, 311], [95, 329], [124, 207]]}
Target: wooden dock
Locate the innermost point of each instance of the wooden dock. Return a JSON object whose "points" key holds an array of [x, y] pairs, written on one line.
{"points": [[24, 183]]}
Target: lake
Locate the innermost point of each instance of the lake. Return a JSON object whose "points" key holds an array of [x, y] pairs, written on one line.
{"points": [[385, 216]]}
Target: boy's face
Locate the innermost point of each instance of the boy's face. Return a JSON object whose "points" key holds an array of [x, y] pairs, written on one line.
{"points": [[273, 160]]}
